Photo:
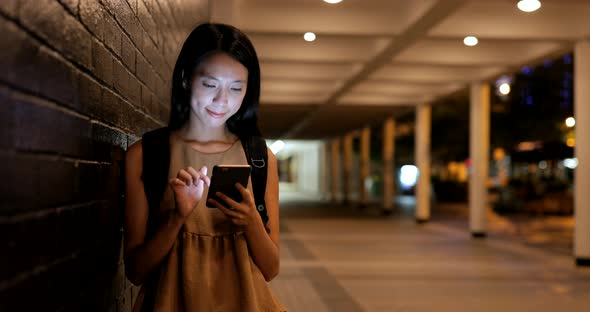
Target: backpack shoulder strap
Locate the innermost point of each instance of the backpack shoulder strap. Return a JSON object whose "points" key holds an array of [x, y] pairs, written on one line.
{"points": [[256, 153], [156, 162]]}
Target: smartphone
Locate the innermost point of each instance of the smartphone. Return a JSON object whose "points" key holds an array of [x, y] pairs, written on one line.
{"points": [[224, 179]]}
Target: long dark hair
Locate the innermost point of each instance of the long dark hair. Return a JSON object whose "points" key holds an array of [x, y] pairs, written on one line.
{"points": [[203, 41]]}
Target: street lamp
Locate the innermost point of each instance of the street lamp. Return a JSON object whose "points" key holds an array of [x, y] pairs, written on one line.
{"points": [[570, 122]]}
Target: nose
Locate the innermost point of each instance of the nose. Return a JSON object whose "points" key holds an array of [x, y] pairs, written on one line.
{"points": [[221, 96]]}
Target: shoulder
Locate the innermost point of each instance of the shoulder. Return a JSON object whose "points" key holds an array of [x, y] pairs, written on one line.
{"points": [[271, 160], [271, 155]]}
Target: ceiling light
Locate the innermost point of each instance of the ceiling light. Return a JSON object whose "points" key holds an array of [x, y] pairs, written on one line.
{"points": [[309, 36], [504, 88], [528, 5], [470, 41], [332, 1]]}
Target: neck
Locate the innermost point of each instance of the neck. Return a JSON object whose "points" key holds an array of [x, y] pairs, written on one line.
{"points": [[195, 131]]}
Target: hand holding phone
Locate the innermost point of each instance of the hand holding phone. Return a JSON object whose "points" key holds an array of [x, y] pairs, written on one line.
{"points": [[224, 179]]}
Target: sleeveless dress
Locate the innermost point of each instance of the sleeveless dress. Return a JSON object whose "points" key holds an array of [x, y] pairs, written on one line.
{"points": [[209, 267]]}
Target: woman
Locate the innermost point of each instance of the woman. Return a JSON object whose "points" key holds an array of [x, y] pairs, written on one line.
{"points": [[197, 258]]}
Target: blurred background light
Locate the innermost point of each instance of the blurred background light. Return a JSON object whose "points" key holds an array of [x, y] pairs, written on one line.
{"points": [[276, 146], [571, 163], [570, 122], [408, 176], [504, 88]]}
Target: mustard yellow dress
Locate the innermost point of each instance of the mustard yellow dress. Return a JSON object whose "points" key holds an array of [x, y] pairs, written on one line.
{"points": [[209, 267]]}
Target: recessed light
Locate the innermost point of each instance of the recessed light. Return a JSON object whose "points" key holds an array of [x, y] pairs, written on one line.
{"points": [[332, 1], [309, 36], [528, 5], [470, 41]]}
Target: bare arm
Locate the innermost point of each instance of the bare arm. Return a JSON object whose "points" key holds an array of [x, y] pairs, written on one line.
{"points": [[265, 246], [141, 256]]}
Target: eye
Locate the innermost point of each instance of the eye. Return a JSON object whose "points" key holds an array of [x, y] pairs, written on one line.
{"points": [[236, 89], [208, 85]]}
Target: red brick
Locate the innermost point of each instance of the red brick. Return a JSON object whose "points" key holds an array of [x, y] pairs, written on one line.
{"points": [[111, 107], [40, 128], [6, 121], [133, 5], [91, 15], [22, 175], [90, 96], [146, 20], [71, 5], [100, 133], [134, 93], [102, 63], [112, 34], [120, 78], [9, 7], [144, 71], [18, 57], [146, 100], [128, 53], [57, 79], [59, 28]]}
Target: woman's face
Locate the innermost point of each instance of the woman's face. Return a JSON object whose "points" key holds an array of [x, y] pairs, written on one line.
{"points": [[218, 88]]}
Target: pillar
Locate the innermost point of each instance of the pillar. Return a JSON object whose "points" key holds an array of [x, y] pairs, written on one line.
{"points": [[422, 155], [347, 168], [335, 164], [479, 147], [582, 152], [388, 166], [365, 161]]}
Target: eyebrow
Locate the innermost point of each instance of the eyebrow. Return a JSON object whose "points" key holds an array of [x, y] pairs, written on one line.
{"points": [[215, 78]]}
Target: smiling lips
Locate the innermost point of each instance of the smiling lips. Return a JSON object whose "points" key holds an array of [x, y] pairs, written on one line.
{"points": [[216, 115]]}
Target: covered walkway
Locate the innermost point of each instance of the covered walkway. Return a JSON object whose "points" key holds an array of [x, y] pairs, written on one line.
{"points": [[338, 258]]}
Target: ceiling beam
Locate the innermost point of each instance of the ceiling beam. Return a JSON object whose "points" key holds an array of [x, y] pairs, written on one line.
{"points": [[417, 30]]}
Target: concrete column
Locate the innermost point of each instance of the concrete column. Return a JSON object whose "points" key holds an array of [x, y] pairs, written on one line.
{"points": [[422, 155], [347, 168], [365, 162], [582, 153], [388, 167], [479, 151], [335, 163]]}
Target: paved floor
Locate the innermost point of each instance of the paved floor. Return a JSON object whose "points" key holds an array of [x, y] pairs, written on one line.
{"points": [[337, 258]]}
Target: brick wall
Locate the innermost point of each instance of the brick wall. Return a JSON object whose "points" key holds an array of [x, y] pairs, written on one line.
{"points": [[80, 80]]}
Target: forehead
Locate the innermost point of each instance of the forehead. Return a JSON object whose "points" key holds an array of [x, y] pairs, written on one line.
{"points": [[222, 65]]}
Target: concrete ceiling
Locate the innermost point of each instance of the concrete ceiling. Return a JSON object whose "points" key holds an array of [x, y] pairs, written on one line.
{"points": [[378, 58]]}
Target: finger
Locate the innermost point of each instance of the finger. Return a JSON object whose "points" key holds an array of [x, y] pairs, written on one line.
{"points": [[206, 179], [185, 177], [230, 213], [176, 182], [230, 202], [246, 194], [203, 175], [194, 174]]}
